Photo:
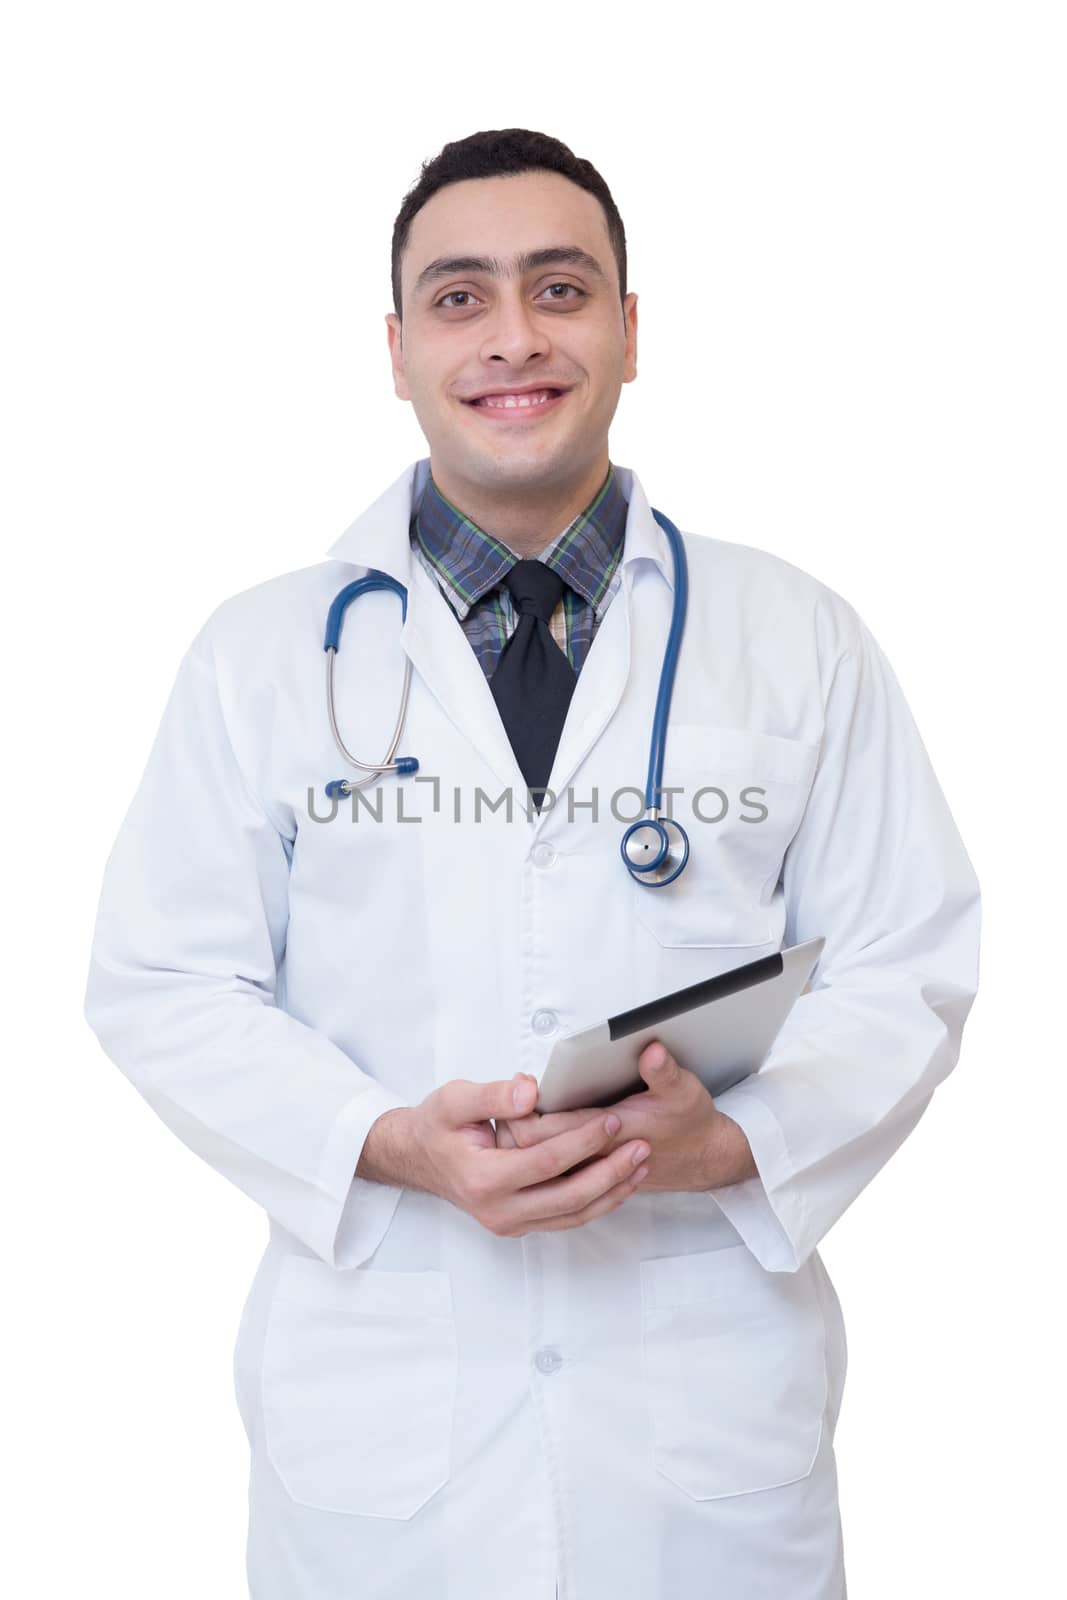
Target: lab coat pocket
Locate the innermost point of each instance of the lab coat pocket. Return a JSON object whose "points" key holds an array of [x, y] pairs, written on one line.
{"points": [[359, 1379], [735, 1371], [742, 798]]}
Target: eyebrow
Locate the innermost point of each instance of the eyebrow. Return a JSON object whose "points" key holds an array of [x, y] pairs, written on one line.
{"points": [[552, 256]]}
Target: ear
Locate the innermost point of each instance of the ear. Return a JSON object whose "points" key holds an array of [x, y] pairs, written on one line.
{"points": [[629, 317], [396, 355]]}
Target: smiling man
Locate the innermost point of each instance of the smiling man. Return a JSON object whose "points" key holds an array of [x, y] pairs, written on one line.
{"points": [[489, 1352], [513, 362]]}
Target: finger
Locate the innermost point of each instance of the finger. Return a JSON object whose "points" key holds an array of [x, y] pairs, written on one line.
{"points": [[594, 1133], [580, 1189], [539, 1125], [658, 1067], [548, 1158], [609, 1201]]}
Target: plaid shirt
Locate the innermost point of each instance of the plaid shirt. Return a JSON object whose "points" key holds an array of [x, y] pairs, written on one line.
{"points": [[469, 566]]}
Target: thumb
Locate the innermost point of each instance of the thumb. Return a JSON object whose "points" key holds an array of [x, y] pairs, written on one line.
{"points": [[657, 1066], [477, 1102]]}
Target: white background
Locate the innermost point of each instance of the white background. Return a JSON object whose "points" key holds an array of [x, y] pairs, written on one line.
{"points": [[845, 227]]}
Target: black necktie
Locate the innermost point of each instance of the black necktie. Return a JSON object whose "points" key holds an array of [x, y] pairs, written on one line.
{"points": [[533, 680]]}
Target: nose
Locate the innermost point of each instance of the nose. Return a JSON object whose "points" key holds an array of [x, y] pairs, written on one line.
{"points": [[512, 333]]}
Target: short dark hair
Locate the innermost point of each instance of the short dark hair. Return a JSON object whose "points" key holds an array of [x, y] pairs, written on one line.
{"points": [[493, 153]]}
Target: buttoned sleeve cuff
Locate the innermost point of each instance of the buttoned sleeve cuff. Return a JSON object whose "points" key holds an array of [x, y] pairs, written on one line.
{"points": [[767, 1213], [357, 1211]]}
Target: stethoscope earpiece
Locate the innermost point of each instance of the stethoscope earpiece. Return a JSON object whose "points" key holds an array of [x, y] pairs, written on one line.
{"points": [[655, 849]]}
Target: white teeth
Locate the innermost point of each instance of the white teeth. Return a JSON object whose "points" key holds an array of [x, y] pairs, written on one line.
{"points": [[506, 402]]}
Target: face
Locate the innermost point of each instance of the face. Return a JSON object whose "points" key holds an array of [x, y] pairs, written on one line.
{"points": [[556, 324]]}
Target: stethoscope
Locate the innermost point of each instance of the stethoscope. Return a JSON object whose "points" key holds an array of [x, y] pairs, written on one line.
{"points": [[654, 848]]}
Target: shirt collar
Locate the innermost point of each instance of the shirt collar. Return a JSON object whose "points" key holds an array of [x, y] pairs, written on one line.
{"points": [[379, 540], [471, 562]]}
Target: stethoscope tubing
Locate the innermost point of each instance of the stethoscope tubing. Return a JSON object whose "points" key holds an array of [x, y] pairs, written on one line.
{"points": [[405, 765], [661, 715]]}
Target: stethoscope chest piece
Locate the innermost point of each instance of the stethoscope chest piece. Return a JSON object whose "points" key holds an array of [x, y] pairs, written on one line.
{"points": [[655, 850]]}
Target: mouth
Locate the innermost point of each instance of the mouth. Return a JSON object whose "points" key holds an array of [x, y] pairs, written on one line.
{"points": [[517, 408]]}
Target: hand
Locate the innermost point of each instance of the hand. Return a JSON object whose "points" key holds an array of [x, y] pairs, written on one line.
{"points": [[694, 1146], [567, 1180]]}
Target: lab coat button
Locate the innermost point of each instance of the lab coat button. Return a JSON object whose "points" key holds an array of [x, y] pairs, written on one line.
{"points": [[543, 854], [544, 1022], [548, 1360]]}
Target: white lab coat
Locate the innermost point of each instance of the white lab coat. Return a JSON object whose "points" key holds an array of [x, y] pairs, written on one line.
{"points": [[643, 1406]]}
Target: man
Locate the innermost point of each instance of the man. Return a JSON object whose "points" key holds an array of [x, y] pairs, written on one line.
{"points": [[489, 1352]]}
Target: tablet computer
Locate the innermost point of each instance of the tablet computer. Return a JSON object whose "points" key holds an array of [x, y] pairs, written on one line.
{"points": [[721, 1029]]}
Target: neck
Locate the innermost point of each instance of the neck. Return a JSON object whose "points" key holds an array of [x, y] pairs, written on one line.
{"points": [[527, 522]]}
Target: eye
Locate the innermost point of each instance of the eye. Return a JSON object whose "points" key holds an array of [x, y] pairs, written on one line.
{"points": [[452, 292]]}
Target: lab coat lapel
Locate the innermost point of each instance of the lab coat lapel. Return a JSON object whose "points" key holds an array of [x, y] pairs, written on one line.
{"points": [[606, 669], [440, 652]]}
